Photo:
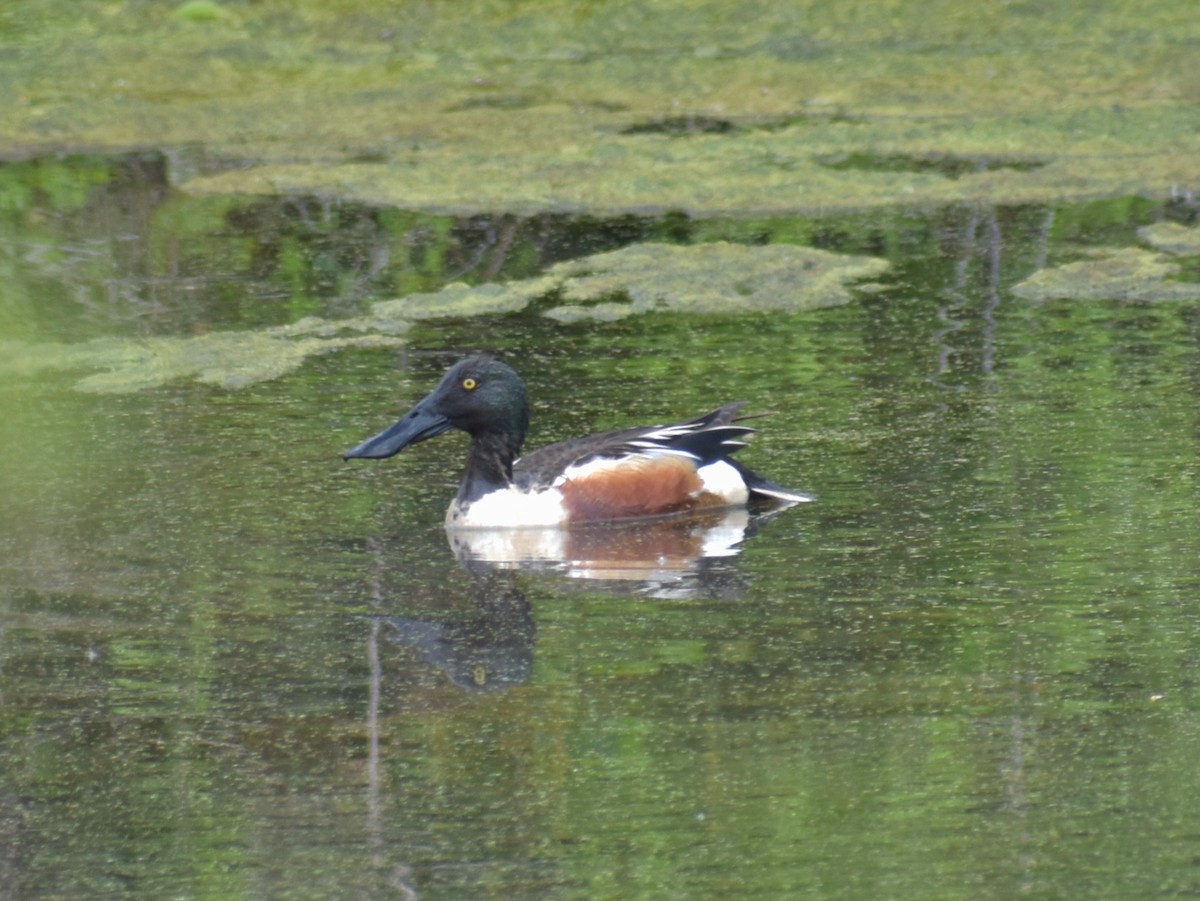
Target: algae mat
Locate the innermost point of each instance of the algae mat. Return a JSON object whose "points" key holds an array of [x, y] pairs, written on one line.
{"points": [[1131, 274], [715, 278], [712, 108]]}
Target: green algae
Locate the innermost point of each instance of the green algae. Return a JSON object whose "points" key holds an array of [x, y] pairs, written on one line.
{"points": [[596, 312], [707, 107], [1171, 237], [754, 173], [712, 278], [457, 299], [228, 360], [718, 277], [1129, 274]]}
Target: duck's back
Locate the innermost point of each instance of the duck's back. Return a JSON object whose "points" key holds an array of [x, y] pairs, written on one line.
{"points": [[703, 440]]}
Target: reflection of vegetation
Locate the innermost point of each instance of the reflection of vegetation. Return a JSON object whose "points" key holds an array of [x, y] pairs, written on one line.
{"points": [[267, 283], [137, 257], [62, 183], [703, 278]]}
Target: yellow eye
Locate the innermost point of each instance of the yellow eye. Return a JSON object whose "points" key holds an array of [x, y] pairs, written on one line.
{"points": [[469, 384]]}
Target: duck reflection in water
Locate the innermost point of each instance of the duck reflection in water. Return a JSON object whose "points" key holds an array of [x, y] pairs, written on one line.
{"points": [[673, 558], [491, 648]]}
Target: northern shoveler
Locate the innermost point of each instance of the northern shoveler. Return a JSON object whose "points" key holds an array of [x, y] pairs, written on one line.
{"points": [[625, 474]]}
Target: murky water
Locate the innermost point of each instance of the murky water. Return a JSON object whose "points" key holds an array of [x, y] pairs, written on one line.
{"points": [[233, 666]]}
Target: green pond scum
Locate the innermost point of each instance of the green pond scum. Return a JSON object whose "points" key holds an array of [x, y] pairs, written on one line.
{"points": [[228, 360], [707, 107], [1131, 274], [704, 278], [1172, 237], [335, 258]]}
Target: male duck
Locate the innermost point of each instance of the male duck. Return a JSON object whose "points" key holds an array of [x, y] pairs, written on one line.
{"points": [[629, 473]]}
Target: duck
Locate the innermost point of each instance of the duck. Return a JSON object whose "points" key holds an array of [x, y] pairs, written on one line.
{"points": [[628, 474]]}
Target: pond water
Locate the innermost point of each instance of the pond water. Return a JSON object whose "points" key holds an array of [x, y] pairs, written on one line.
{"points": [[232, 665]]}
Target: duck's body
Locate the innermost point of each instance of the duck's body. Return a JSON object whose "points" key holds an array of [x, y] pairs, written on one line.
{"points": [[626, 474]]}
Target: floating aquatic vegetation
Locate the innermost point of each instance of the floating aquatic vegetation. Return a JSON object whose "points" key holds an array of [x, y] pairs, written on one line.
{"points": [[707, 278], [226, 359], [717, 277], [1130, 274], [548, 107], [458, 299], [1171, 237], [704, 278], [597, 312]]}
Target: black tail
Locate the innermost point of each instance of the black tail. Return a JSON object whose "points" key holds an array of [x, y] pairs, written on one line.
{"points": [[768, 490]]}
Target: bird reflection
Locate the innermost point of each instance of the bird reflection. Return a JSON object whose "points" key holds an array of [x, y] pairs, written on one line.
{"points": [[491, 648], [674, 558]]}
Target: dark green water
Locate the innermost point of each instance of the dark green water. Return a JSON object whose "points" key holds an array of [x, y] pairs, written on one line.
{"points": [[233, 666]]}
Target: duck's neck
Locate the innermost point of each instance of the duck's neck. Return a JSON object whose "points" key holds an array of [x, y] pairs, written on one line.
{"points": [[489, 464]]}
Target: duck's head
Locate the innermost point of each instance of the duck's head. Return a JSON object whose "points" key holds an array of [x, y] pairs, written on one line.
{"points": [[479, 395]]}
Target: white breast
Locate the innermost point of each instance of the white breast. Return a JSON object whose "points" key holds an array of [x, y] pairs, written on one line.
{"points": [[509, 508]]}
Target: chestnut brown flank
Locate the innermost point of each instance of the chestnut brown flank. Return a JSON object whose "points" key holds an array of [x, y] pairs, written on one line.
{"points": [[637, 486]]}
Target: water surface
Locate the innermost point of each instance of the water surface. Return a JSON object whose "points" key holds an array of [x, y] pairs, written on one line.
{"points": [[234, 666]]}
